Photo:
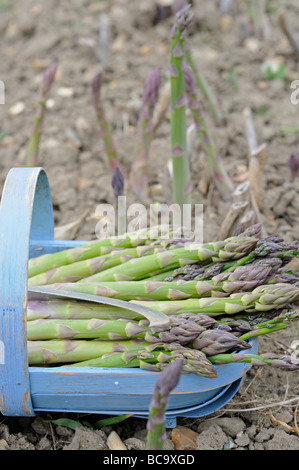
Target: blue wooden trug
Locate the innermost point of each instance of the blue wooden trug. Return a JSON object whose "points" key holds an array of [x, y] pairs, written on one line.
{"points": [[27, 230]]}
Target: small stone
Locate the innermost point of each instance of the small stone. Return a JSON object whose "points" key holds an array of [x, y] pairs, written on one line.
{"points": [[251, 431], [4, 432], [66, 92], [132, 443], [87, 439], [40, 428], [212, 438], [84, 183], [264, 435], [44, 444], [17, 108], [252, 44], [3, 443], [242, 440], [184, 438], [226, 22], [63, 431]]}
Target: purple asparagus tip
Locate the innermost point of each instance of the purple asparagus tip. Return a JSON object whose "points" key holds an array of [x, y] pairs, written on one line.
{"points": [[151, 87], [48, 79], [294, 166], [96, 88], [184, 17], [169, 378], [179, 5], [118, 182]]}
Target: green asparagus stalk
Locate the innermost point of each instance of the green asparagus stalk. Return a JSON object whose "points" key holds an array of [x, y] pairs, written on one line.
{"points": [[214, 162], [73, 309], [280, 322], [268, 247], [87, 353], [34, 142], [245, 278], [205, 88], [156, 424], [180, 157], [70, 351], [97, 248], [138, 174], [262, 299], [270, 250], [80, 270], [118, 186], [106, 130], [284, 362], [231, 248], [194, 361], [180, 330]]}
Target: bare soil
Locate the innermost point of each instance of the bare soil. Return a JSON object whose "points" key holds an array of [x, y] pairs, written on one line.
{"points": [[231, 56]]}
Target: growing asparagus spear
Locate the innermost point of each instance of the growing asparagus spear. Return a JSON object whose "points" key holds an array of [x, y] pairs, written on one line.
{"points": [[156, 424], [262, 299], [105, 127], [214, 162], [180, 157], [205, 88], [118, 186], [138, 174], [47, 82]]}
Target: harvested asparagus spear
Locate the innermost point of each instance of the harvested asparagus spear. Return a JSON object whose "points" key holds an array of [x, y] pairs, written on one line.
{"points": [[272, 250], [231, 248], [262, 299], [97, 248], [69, 351], [244, 278], [218, 341], [194, 361], [86, 353], [180, 330], [280, 322], [87, 268], [73, 309], [284, 362]]}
